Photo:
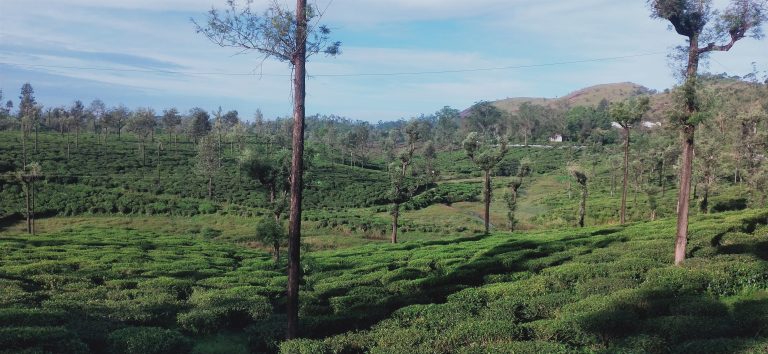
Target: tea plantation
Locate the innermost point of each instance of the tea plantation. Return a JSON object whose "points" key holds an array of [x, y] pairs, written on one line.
{"points": [[92, 289]]}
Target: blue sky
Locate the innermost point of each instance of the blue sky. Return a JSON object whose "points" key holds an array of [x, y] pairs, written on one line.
{"points": [[48, 43]]}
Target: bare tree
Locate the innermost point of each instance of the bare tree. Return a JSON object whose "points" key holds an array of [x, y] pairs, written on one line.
{"points": [[690, 18]]}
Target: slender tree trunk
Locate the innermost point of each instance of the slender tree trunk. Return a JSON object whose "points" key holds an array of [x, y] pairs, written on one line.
{"points": [[210, 187], [29, 213], [487, 201], [23, 149], [583, 205], [704, 206], [297, 165], [33, 207], [395, 216], [35, 138], [684, 195], [688, 131], [276, 245], [623, 211]]}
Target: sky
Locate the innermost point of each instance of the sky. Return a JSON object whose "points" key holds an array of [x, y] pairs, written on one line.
{"points": [[400, 58]]}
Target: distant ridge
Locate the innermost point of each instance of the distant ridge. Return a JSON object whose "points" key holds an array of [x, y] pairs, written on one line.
{"points": [[589, 96]]}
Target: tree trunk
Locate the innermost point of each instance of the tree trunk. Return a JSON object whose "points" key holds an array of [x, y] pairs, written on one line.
{"points": [[704, 206], [684, 195], [623, 211], [583, 205], [662, 180], [395, 215], [688, 131], [487, 201], [276, 245], [35, 138], [297, 165], [33, 207], [23, 150], [29, 213], [210, 187]]}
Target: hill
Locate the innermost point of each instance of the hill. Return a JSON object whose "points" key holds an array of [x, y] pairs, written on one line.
{"points": [[730, 89], [590, 96]]}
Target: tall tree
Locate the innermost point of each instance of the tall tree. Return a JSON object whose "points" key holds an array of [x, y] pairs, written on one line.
{"points": [[207, 161], [96, 111], [447, 126], [200, 123], [76, 119], [272, 170], [581, 179], [510, 197], [27, 100], [287, 37], [696, 20], [486, 157], [270, 232], [628, 114], [171, 120], [116, 118], [142, 124], [485, 118], [403, 187], [28, 176]]}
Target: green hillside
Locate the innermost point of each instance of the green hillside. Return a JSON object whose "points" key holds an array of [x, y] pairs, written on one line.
{"points": [[595, 289]]}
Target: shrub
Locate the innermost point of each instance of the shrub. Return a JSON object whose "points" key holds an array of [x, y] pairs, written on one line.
{"points": [[213, 310], [147, 340], [303, 346]]}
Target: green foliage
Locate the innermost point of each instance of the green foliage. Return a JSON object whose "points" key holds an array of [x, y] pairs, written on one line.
{"points": [[147, 340]]}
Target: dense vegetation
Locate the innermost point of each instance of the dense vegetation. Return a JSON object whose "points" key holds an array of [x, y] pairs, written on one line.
{"points": [[595, 289]]}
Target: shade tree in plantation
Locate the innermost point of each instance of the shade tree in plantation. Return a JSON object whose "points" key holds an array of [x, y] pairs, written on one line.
{"points": [[28, 176], [485, 118], [628, 114], [200, 123], [272, 170], [514, 186], [207, 161], [116, 118], [709, 158], [269, 232], [580, 176], [288, 37], [76, 119], [96, 111], [706, 31], [486, 156], [404, 179], [27, 101], [142, 124], [171, 121], [447, 127]]}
